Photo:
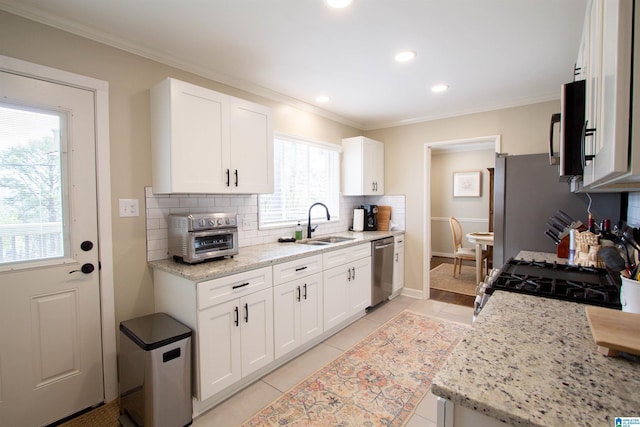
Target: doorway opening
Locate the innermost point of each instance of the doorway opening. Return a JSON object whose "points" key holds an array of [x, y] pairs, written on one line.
{"points": [[441, 160]]}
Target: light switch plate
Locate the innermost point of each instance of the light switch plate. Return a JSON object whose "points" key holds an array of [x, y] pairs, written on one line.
{"points": [[129, 207]]}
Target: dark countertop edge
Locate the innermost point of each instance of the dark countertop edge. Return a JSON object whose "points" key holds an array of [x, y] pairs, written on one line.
{"points": [[221, 268]]}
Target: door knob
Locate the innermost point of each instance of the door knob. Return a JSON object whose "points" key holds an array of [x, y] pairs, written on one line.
{"points": [[86, 246], [86, 269]]}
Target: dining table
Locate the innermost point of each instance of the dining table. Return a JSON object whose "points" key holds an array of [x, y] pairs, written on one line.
{"points": [[480, 239]]}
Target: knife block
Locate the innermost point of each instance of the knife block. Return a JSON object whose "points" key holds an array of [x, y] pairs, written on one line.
{"points": [[562, 248]]}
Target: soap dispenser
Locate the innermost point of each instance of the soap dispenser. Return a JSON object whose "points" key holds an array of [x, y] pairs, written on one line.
{"points": [[298, 231]]}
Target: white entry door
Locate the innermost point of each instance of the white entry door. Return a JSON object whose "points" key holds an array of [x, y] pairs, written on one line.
{"points": [[50, 332]]}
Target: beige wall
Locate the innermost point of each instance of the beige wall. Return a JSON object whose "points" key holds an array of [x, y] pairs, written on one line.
{"points": [[130, 78], [523, 130]]}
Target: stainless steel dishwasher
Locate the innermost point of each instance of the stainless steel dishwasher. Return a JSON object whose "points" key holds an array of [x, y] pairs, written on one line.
{"points": [[381, 270]]}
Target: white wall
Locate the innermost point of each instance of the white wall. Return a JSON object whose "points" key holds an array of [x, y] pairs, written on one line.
{"points": [[472, 212]]}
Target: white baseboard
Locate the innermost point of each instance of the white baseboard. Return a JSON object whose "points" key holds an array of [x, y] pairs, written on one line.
{"points": [[412, 293]]}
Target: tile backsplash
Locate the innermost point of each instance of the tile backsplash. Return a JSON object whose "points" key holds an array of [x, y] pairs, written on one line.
{"points": [[158, 207]]}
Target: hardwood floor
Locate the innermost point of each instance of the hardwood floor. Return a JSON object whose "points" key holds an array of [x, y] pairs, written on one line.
{"points": [[449, 297]]}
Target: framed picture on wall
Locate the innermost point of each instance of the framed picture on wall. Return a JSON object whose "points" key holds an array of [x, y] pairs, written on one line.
{"points": [[466, 184]]}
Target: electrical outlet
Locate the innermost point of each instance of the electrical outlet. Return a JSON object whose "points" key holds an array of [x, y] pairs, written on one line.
{"points": [[246, 224], [129, 207]]}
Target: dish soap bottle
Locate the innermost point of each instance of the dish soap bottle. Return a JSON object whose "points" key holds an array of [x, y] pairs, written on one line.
{"points": [[298, 231]]}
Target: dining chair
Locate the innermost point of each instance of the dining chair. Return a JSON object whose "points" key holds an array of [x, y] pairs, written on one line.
{"points": [[461, 253]]}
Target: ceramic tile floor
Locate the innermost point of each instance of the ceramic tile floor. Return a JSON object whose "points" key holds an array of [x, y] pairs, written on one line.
{"points": [[247, 402]]}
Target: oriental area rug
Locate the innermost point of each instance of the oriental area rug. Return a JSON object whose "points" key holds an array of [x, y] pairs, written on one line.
{"points": [[378, 382], [441, 278]]}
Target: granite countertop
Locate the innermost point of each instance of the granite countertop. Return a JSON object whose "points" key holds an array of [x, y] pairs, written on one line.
{"points": [[532, 361], [541, 256], [252, 257]]}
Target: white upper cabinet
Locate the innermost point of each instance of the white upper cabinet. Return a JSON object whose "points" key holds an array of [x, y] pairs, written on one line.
{"points": [[203, 141], [606, 57], [251, 147], [362, 167]]}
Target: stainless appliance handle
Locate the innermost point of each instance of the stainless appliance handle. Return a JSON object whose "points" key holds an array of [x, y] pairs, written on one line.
{"points": [[555, 118], [383, 246]]}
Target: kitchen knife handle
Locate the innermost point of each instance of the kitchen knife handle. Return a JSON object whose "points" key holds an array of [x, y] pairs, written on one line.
{"points": [[552, 237]]}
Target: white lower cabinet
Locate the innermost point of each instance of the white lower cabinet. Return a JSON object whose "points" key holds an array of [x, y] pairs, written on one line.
{"points": [[297, 303], [249, 323], [347, 287], [232, 322], [297, 315], [236, 339], [398, 266]]}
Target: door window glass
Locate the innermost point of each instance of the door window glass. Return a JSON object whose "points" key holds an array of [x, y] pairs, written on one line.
{"points": [[32, 213]]}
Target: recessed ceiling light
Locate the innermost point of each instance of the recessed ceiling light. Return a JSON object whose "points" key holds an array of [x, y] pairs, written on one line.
{"points": [[405, 56], [439, 88], [323, 98], [337, 4]]}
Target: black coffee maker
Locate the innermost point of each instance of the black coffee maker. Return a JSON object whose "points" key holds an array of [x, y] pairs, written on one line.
{"points": [[370, 217]]}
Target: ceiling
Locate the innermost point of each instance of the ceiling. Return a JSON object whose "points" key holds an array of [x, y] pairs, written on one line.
{"points": [[491, 53]]}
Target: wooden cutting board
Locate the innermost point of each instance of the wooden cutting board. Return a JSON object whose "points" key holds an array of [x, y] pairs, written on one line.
{"points": [[384, 215], [614, 330]]}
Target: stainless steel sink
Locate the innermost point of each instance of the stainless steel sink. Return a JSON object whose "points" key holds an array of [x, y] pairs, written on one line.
{"points": [[328, 240], [333, 239]]}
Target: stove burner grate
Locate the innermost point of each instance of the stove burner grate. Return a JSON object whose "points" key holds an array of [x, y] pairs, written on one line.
{"points": [[586, 285]]}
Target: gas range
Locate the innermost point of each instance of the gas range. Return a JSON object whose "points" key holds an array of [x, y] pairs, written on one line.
{"points": [[586, 285]]}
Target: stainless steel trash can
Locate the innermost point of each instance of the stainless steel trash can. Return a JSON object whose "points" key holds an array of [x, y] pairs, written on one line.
{"points": [[155, 372]]}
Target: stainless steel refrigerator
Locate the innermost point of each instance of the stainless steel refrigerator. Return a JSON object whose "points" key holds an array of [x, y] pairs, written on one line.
{"points": [[527, 191]]}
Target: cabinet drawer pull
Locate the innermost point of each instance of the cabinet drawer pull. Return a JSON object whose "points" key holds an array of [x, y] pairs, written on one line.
{"points": [[237, 321], [240, 286], [246, 313], [301, 268]]}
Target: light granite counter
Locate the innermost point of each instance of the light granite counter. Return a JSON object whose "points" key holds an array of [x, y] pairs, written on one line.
{"points": [[531, 361], [541, 256], [252, 257]]}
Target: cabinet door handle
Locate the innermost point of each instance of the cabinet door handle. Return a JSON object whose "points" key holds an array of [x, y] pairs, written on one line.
{"points": [[396, 257], [353, 276], [236, 173], [583, 144], [373, 186], [301, 268], [305, 291], [349, 274], [246, 313], [298, 297], [240, 286], [237, 321], [228, 177]]}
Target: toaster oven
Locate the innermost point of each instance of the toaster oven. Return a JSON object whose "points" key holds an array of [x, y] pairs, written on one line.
{"points": [[201, 237]]}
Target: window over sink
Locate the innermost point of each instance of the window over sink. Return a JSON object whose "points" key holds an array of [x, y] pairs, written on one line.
{"points": [[304, 172]]}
